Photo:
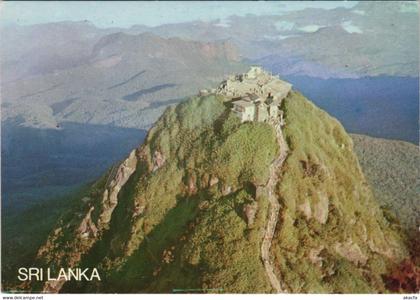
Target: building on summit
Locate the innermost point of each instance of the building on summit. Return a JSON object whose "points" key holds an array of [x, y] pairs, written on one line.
{"points": [[256, 95]]}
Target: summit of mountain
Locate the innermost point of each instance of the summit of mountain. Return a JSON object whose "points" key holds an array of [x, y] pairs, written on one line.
{"points": [[213, 202]]}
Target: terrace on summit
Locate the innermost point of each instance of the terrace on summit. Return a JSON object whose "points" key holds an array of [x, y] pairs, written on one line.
{"points": [[256, 95]]}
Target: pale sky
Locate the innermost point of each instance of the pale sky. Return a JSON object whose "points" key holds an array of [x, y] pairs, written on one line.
{"points": [[125, 14]]}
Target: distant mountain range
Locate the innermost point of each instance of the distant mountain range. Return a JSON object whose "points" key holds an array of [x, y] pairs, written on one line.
{"points": [[372, 38], [76, 119], [75, 72], [124, 80], [67, 83]]}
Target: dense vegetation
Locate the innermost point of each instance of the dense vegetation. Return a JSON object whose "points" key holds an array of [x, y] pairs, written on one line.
{"points": [[190, 218], [24, 232], [333, 236], [195, 228], [212, 165], [391, 168]]}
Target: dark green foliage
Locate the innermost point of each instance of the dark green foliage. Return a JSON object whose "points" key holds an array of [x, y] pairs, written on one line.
{"points": [[200, 140], [322, 168], [391, 168], [23, 233]]}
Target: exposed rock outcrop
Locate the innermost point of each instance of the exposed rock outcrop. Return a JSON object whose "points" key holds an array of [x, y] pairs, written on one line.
{"points": [[321, 208], [314, 256], [158, 160], [305, 208], [213, 180], [87, 232], [192, 186], [88, 228], [226, 190], [250, 211], [351, 251], [110, 196]]}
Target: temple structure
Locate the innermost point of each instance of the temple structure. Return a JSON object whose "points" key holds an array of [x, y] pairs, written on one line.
{"points": [[255, 95]]}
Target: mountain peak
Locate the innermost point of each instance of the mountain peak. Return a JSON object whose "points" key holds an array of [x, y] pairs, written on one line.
{"points": [[212, 200], [256, 82]]}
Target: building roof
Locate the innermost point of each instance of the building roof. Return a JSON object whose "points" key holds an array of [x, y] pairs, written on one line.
{"points": [[243, 103], [253, 97]]}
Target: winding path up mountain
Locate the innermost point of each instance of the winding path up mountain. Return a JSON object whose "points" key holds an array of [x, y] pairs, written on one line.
{"points": [[274, 207]]}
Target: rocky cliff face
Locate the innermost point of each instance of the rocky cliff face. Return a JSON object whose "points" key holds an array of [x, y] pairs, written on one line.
{"points": [[193, 207], [85, 231]]}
